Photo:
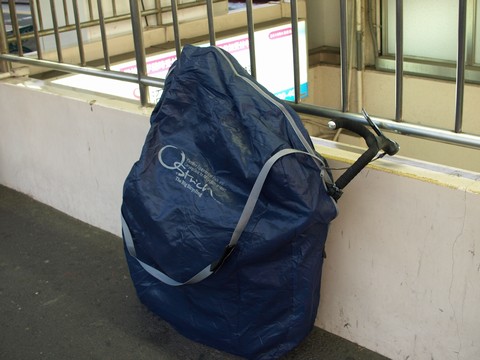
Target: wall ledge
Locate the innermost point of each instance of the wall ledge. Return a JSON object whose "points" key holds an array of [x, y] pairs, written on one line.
{"points": [[437, 174]]}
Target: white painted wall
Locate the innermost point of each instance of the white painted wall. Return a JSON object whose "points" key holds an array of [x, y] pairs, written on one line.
{"points": [[69, 153], [402, 275]]}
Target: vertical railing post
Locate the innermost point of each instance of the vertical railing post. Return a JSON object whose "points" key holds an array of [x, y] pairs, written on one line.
{"points": [[295, 48], [65, 13], [34, 12], [78, 29], [56, 31], [139, 50], [15, 26], [176, 28], [103, 32], [90, 10], [39, 13], [4, 65], [460, 80], [158, 8], [399, 61], [251, 38], [343, 54], [211, 24], [114, 8]]}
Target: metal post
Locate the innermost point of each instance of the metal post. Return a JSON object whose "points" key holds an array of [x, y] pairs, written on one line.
{"points": [[251, 38], [56, 31], [81, 49], [211, 25], [103, 33], [90, 10], [176, 29], [399, 61], [295, 48], [114, 8], [40, 17], [15, 27], [33, 12], [139, 49], [460, 81], [343, 54], [4, 65], [65, 13], [142, 12], [158, 9]]}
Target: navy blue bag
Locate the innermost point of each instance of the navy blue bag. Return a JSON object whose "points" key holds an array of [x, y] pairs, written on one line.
{"points": [[226, 212]]}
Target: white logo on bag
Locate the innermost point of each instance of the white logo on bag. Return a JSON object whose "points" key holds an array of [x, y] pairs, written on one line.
{"points": [[188, 173], [176, 164]]}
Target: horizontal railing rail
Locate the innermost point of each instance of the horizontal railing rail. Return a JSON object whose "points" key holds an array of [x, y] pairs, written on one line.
{"points": [[403, 128], [138, 17]]}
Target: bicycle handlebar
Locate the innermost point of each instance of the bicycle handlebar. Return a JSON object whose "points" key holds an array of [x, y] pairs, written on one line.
{"points": [[375, 143]]}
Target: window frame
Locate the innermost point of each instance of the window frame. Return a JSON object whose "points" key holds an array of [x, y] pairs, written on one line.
{"points": [[428, 66]]}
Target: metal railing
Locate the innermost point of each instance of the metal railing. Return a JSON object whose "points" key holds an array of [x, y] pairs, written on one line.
{"points": [[138, 15]]}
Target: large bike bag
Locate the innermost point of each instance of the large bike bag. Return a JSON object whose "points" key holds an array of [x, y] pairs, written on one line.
{"points": [[226, 212]]}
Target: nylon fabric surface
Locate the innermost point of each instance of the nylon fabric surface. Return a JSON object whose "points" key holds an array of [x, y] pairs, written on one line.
{"points": [[211, 133]]}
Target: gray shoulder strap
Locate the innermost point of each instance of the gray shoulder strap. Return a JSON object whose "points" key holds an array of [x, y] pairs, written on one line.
{"points": [[239, 228]]}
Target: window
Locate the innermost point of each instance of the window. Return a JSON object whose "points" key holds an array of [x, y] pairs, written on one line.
{"points": [[430, 37]]}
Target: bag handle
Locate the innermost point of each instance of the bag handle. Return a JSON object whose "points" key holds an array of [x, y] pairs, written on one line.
{"points": [[239, 228], [376, 143]]}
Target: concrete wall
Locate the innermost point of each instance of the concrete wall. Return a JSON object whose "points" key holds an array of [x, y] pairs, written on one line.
{"points": [[323, 24], [402, 275], [72, 154]]}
